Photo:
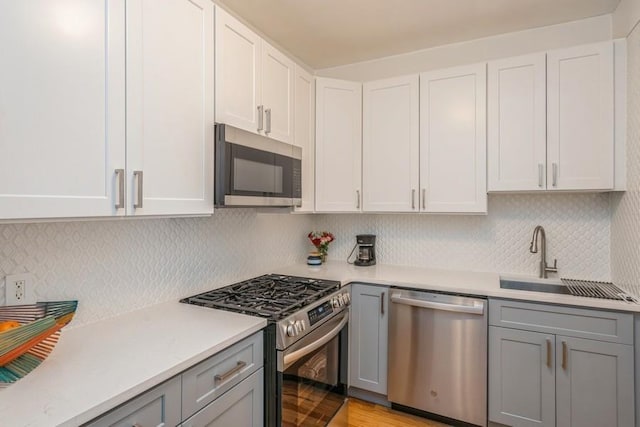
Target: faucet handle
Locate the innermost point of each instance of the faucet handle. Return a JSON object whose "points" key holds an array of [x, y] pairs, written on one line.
{"points": [[553, 269]]}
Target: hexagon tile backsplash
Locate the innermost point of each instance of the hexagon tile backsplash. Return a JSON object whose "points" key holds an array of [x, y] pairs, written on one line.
{"points": [[625, 207], [577, 227], [116, 266]]}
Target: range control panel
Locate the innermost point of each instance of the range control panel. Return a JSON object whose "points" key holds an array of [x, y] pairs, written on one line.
{"points": [[320, 312]]}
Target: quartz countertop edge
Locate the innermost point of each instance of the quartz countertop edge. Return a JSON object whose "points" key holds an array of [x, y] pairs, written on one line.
{"points": [[144, 347], [460, 282]]}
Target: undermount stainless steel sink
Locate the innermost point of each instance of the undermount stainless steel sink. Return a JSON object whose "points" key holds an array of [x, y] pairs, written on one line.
{"points": [[551, 287]]}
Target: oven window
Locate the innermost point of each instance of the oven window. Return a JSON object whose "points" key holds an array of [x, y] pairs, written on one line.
{"points": [[312, 392]]}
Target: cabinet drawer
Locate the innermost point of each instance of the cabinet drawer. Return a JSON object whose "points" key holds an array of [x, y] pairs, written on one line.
{"points": [[209, 379], [242, 406], [599, 325], [157, 407]]}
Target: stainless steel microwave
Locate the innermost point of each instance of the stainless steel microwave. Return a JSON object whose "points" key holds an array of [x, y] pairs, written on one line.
{"points": [[253, 170]]}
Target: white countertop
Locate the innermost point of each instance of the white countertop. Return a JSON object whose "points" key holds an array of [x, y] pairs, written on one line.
{"points": [[96, 367], [463, 282], [101, 365]]}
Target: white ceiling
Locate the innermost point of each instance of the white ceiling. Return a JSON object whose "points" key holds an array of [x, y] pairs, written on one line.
{"points": [[326, 33]]}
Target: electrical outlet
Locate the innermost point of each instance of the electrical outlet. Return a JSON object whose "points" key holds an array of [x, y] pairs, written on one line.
{"points": [[19, 289]]}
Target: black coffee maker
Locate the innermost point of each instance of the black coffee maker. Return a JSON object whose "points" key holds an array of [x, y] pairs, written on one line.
{"points": [[366, 246]]}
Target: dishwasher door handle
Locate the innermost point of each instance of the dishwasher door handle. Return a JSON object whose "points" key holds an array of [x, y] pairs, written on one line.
{"points": [[476, 308]]}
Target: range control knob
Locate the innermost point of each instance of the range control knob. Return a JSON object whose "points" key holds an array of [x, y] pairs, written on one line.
{"points": [[347, 298], [336, 302], [299, 326], [291, 330]]}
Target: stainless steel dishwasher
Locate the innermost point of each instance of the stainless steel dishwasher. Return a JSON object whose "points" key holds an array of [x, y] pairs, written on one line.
{"points": [[438, 354]]}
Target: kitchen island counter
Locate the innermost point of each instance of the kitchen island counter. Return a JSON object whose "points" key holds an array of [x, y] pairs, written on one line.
{"points": [[458, 282], [99, 366]]}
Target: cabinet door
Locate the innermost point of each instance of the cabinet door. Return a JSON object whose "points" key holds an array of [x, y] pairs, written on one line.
{"points": [[580, 118], [521, 378], [368, 335], [517, 126], [453, 142], [391, 145], [594, 383], [242, 406], [304, 131], [170, 119], [62, 108], [237, 74], [158, 407], [277, 93], [338, 145]]}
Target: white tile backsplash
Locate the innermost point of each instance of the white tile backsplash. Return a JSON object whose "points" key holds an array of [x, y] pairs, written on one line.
{"points": [[625, 207], [577, 228], [117, 266]]}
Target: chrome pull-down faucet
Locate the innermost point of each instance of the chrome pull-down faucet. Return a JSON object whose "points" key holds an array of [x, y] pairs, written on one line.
{"points": [[533, 248]]}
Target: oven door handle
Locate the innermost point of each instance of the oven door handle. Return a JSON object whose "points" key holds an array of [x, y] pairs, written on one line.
{"points": [[294, 356]]}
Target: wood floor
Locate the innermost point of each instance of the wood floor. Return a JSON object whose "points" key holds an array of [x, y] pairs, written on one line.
{"points": [[357, 413]]}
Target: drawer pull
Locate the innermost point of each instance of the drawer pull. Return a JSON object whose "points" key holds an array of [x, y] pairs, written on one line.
{"points": [[231, 372]]}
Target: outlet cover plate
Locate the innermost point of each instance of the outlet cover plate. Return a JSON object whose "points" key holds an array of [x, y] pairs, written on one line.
{"points": [[28, 296]]}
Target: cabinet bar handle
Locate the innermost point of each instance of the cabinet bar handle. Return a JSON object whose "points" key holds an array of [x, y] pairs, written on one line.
{"points": [[413, 199], [540, 175], [138, 175], [267, 113], [424, 199], [555, 174], [357, 199], [565, 355], [549, 353], [260, 117], [231, 372], [382, 304], [120, 178]]}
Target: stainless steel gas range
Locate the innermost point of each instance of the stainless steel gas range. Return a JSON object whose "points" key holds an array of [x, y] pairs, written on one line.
{"points": [[305, 342]]}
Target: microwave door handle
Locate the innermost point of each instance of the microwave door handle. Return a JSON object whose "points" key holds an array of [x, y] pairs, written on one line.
{"points": [[294, 356]]}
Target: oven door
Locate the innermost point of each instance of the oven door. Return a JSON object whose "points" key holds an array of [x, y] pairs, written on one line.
{"points": [[312, 374]]}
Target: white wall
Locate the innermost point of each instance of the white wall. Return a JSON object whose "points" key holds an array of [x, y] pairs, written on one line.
{"points": [[505, 45], [625, 17], [113, 267], [577, 228], [625, 215]]}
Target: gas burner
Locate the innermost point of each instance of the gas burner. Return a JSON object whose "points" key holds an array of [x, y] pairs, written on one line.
{"points": [[272, 296]]}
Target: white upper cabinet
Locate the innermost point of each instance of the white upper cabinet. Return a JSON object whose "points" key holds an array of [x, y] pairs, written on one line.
{"points": [[254, 81], [580, 144], [304, 127], [278, 74], [62, 108], [238, 81], [170, 99], [517, 123], [338, 145], [391, 145], [453, 140]]}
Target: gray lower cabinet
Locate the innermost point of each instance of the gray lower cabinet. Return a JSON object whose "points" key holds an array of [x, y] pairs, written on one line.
{"points": [[594, 383], [240, 406], [159, 407], [368, 335], [544, 372], [522, 377], [226, 389]]}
